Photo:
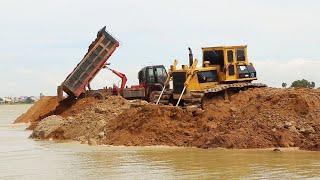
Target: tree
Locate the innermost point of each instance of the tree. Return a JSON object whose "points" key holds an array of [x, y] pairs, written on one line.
{"points": [[29, 100], [284, 85], [303, 84]]}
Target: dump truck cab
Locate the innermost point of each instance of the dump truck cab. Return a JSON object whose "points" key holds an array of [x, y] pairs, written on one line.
{"points": [[231, 61]]}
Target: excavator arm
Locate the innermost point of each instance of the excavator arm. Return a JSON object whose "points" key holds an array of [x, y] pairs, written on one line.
{"points": [[121, 75]]}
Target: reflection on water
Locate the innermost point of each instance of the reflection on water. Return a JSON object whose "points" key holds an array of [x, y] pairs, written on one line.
{"points": [[23, 158]]}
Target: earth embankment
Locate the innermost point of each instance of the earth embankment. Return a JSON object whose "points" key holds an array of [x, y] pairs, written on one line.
{"points": [[256, 118]]}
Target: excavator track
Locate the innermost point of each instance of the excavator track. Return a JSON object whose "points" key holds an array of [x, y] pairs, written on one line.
{"points": [[165, 98]]}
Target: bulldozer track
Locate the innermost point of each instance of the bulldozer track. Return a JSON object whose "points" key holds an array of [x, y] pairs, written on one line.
{"points": [[235, 85], [195, 98]]}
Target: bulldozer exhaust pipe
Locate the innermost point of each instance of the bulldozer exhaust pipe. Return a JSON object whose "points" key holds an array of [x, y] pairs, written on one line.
{"points": [[190, 57]]}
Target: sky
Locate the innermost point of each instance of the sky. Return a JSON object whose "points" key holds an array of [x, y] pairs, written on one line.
{"points": [[41, 41]]}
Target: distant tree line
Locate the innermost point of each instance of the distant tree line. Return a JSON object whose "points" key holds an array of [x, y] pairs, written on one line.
{"points": [[29, 100], [303, 83]]}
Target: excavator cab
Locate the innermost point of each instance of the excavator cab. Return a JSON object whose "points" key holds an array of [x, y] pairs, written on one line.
{"points": [[151, 75], [232, 62], [151, 78]]}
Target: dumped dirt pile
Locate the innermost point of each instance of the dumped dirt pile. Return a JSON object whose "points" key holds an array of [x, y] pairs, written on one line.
{"points": [[39, 110], [256, 118], [47, 126], [85, 120]]}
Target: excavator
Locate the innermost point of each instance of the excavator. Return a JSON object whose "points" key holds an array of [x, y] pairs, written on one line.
{"points": [[224, 69]]}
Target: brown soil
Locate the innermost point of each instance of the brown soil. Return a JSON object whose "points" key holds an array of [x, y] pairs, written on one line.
{"points": [[39, 110], [256, 118], [83, 120]]}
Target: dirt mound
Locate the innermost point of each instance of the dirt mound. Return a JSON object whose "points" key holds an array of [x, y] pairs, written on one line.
{"points": [[39, 110], [257, 118], [47, 126], [153, 125], [72, 107], [86, 119]]}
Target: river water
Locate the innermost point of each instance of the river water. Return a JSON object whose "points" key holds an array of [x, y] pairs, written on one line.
{"points": [[23, 158]]}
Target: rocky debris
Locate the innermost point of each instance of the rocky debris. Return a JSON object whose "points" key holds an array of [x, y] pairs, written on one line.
{"points": [[194, 110], [46, 127], [101, 134], [92, 142], [137, 103]]}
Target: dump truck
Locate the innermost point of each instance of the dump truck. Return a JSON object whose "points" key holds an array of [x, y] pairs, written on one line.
{"points": [[224, 69], [94, 60], [151, 78]]}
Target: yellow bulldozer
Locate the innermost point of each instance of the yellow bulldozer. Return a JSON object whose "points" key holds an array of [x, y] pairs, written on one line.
{"points": [[224, 69]]}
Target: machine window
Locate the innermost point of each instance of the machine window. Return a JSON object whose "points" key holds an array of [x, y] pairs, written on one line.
{"points": [[230, 56], [215, 57], [151, 78], [231, 70], [161, 74], [240, 55], [141, 76], [207, 76]]}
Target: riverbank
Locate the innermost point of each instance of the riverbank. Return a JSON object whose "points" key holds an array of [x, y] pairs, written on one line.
{"points": [[257, 118]]}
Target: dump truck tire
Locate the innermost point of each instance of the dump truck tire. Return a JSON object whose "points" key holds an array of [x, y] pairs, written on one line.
{"points": [[98, 95]]}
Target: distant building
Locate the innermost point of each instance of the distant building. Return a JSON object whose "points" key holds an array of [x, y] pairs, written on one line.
{"points": [[8, 100], [19, 100], [22, 99]]}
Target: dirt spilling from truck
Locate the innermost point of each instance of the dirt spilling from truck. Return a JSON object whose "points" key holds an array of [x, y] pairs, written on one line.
{"points": [[256, 118], [41, 109]]}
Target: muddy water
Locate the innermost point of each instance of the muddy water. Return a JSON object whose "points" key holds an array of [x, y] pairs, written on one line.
{"points": [[23, 158]]}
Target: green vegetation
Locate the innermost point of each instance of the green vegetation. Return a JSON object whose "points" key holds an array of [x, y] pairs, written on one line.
{"points": [[284, 85], [29, 100], [303, 84]]}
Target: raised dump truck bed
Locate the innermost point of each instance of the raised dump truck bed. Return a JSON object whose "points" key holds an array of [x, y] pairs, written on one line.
{"points": [[98, 53]]}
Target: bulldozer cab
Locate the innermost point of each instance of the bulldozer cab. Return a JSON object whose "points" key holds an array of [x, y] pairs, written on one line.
{"points": [[204, 78], [232, 62]]}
